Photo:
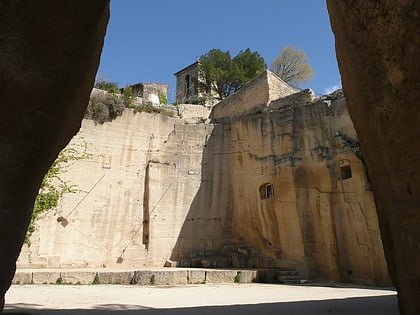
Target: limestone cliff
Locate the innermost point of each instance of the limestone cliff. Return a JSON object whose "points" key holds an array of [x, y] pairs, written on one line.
{"points": [[320, 217], [296, 192], [133, 194], [377, 44], [283, 186]]}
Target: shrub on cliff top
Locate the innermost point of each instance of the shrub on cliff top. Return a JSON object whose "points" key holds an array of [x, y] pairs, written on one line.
{"points": [[104, 107], [111, 87]]}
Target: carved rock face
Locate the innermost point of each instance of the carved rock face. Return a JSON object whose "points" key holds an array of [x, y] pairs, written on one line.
{"points": [[377, 47], [48, 60]]}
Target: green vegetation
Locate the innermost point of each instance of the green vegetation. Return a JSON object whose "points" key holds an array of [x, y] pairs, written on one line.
{"points": [[59, 280], [128, 96], [292, 66], [104, 107], [109, 104], [163, 99], [96, 279], [227, 75], [105, 85], [53, 187], [148, 107], [152, 279], [237, 278]]}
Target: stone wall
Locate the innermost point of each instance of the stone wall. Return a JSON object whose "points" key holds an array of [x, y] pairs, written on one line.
{"points": [[134, 192], [193, 111], [191, 89], [150, 92], [317, 220], [187, 83], [158, 188], [254, 96], [377, 46]]}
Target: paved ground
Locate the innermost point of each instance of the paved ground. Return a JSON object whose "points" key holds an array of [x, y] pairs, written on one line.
{"points": [[207, 299]]}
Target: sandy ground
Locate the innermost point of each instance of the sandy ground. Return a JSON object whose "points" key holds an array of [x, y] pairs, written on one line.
{"points": [[199, 299]]}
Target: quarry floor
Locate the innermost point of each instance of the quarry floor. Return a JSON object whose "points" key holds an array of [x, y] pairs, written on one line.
{"points": [[211, 299]]}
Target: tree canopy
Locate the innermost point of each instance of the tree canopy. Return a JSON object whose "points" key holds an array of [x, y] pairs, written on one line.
{"points": [[225, 74], [292, 66]]}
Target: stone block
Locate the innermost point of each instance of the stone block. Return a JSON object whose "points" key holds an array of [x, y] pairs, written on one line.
{"points": [[123, 277], [78, 277], [22, 278], [196, 276], [170, 263], [248, 276], [220, 276], [45, 277], [151, 277]]}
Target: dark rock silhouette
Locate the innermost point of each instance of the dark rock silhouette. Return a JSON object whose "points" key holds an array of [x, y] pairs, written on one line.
{"points": [[378, 44], [49, 55]]}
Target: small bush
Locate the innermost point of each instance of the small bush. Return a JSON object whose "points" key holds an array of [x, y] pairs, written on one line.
{"points": [[59, 280], [163, 99], [104, 107], [148, 107], [238, 276], [111, 87], [152, 279], [128, 95], [96, 279]]}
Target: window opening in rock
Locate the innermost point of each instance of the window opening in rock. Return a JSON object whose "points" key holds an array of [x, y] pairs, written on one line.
{"points": [[266, 191], [187, 85], [345, 172]]}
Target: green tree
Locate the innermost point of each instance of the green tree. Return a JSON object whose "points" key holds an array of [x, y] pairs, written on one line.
{"points": [[246, 66], [225, 74], [216, 67], [292, 66]]}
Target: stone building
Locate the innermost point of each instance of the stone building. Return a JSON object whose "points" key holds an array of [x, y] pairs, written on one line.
{"points": [[275, 181], [191, 88], [150, 92]]}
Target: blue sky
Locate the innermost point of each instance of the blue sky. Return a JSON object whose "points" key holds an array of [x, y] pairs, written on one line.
{"points": [[150, 40]]}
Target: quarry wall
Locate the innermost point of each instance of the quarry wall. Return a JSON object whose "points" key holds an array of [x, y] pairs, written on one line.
{"points": [[320, 218], [280, 188], [377, 46], [143, 169]]}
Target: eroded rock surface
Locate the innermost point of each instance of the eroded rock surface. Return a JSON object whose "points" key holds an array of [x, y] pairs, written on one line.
{"points": [[280, 187], [378, 45], [48, 60]]}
